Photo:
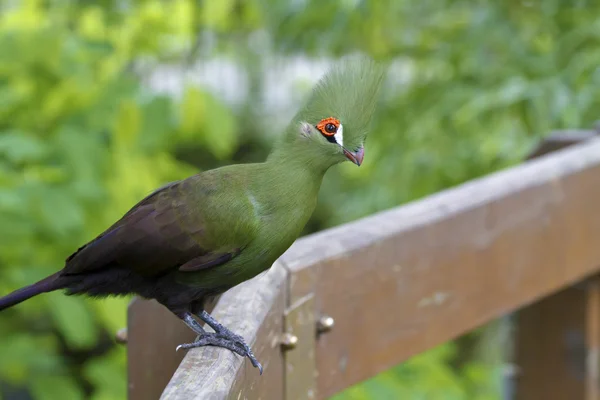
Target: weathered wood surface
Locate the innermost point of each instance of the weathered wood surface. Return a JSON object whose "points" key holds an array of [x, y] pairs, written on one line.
{"points": [[592, 341], [557, 346], [400, 282], [253, 310], [550, 347], [551, 334], [153, 334]]}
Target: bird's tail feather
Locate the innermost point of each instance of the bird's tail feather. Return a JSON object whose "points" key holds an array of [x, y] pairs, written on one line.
{"points": [[47, 284]]}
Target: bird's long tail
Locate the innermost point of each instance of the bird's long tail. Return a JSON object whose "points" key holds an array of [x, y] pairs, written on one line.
{"points": [[47, 284]]}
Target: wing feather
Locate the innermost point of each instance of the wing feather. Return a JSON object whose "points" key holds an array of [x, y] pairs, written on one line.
{"points": [[150, 240]]}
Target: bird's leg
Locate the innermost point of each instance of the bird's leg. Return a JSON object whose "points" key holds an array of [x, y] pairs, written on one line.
{"points": [[227, 334], [216, 339], [194, 325], [220, 329], [191, 322]]}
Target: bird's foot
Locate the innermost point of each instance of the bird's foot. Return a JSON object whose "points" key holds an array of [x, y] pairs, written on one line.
{"points": [[231, 342], [237, 339]]}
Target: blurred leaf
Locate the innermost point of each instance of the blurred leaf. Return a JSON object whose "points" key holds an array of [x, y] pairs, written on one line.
{"points": [[216, 14], [18, 147], [112, 312], [157, 125], [91, 23], [220, 129], [111, 383], [127, 124], [21, 355], [55, 210], [73, 320], [193, 111], [55, 387]]}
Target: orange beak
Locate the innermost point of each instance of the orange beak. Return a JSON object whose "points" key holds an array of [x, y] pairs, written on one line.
{"points": [[356, 157]]}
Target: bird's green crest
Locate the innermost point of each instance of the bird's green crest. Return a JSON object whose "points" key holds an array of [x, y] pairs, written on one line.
{"points": [[347, 92], [338, 112]]}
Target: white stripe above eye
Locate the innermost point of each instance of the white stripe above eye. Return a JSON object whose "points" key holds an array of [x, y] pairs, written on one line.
{"points": [[339, 135]]}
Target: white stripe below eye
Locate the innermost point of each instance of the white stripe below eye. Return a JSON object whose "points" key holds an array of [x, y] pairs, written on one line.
{"points": [[339, 135]]}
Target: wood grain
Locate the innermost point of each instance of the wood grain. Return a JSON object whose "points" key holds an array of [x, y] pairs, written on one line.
{"points": [[253, 310], [550, 347], [550, 339], [403, 281], [153, 334], [592, 342]]}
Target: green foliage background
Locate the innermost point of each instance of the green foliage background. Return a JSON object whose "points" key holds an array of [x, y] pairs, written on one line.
{"points": [[474, 84]]}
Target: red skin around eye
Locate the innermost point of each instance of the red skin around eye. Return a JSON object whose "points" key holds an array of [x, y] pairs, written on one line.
{"points": [[321, 125]]}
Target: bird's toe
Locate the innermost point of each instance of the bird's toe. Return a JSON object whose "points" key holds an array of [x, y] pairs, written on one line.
{"points": [[218, 340]]}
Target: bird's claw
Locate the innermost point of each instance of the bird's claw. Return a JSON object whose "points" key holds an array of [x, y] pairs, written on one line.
{"points": [[252, 358], [237, 345]]}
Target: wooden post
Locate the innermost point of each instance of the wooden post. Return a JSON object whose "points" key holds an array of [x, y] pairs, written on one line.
{"points": [[300, 321], [592, 375], [253, 310], [153, 333], [558, 345], [550, 348], [556, 335]]}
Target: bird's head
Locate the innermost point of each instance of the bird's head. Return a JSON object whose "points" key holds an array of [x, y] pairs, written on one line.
{"points": [[333, 124]]}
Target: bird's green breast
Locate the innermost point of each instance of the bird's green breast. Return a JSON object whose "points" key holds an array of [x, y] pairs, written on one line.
{"points": [[260, 207]]}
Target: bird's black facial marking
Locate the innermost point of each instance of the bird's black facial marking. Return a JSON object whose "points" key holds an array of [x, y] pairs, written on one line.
{"points": [[331, 139]]}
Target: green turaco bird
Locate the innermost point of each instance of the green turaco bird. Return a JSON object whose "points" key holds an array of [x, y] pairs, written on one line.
{"points": [[196, 238]]}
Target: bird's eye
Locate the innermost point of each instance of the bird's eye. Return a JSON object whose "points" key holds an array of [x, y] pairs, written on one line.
{"points": [[328, 126]]}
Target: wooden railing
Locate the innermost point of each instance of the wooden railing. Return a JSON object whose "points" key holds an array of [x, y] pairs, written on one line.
{"points": [[402, 281]]}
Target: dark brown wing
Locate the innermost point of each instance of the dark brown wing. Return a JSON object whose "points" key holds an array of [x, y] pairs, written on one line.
{"points": [[148, 239]]}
